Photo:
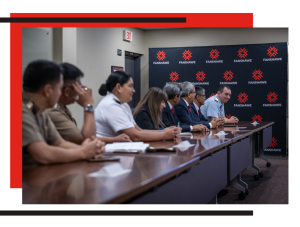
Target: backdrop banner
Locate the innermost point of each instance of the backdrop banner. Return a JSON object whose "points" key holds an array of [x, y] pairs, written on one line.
{"points": [[256, 74]]}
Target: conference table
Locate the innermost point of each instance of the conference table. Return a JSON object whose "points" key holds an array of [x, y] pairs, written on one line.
{"points": [[193, 174]]}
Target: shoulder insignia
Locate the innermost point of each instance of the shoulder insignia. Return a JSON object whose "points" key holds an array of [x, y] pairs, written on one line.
{"points": [[117, 101], [216, 99], [29, 105]]}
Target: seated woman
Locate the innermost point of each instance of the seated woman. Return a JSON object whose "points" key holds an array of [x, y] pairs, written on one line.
{"points": [[113, 115], [148, 112]]}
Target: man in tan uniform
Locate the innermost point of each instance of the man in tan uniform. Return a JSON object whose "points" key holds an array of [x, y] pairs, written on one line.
{"points": [[42, 82], [61, 116]]}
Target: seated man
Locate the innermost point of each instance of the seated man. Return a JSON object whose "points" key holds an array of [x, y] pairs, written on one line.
{"points": [[169, 118], [61, 116], [42, 83], [213, 107], [199, 101], [183, 109]]}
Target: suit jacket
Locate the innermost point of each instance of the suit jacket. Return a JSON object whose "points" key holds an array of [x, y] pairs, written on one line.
{"points": [[185, 116], [171, 120], [200, 118], [143, 120]]}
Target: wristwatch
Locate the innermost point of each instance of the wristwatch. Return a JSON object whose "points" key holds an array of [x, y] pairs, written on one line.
{"points": [[89, 108]]}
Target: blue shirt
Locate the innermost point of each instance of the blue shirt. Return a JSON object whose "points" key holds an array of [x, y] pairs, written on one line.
{"points": [[213, 108]]}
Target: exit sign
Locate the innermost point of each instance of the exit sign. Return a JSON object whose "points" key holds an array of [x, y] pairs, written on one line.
{"points": [[127, 35]]}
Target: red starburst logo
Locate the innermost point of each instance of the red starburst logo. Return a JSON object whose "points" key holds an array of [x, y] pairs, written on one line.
{"points": [[187, 55], [214, 54], [256, 118], [228, 116], [274, 142], [242, 97], [212, 94], [174, 76], [161, 55], [257, 74], [242, 52], [272, 51], [272, 97], [200, 76], [228, 75]]}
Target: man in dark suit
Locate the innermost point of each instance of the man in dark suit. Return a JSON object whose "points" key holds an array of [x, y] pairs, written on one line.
{"points": [[183, 109], [169, 118], [197, 103]]}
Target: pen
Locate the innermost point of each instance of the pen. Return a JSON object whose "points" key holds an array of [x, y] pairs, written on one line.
{"points": [[178, 125]]}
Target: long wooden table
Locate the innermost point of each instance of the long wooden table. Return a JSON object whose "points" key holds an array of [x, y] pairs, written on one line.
{"points": [[192, 175]]}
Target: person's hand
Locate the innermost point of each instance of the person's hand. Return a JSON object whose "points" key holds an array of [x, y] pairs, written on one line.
{"points": [[170, 133], [92, 147], [198, 128], [205, 129], [221, 120], [178, 130], [214, 123], [84, 94], [122, 138], [234, 119]]}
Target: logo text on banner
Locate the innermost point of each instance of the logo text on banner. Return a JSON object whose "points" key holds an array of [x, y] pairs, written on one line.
{"points": [[242, 98], [187, 55], [242, 54], [214, 54], [272, 98]]}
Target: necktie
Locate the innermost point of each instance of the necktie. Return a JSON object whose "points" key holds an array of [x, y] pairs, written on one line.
{"points": [[189, 108], [172, 111], [199, 112]]}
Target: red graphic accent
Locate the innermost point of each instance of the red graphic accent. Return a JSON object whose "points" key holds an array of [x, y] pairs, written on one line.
{"points": [[272, 51], [256, 118], [272, 97], [228, 116], [187, 55], [212, 94], [242, 52], [200, 76], [174, 76], [214, 54], [274, 142], [161, 55], [228, 75], [257, 74], [243, 97]]}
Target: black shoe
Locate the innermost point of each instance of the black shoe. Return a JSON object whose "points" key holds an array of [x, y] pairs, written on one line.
{"points": [[222, 193]]}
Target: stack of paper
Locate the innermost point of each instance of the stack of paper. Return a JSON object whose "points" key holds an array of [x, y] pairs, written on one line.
{"points": [[221, 134], [184, 145], [126, 146]]}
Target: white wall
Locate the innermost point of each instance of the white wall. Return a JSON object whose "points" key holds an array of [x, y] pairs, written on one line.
{"points": [[96, 52]]}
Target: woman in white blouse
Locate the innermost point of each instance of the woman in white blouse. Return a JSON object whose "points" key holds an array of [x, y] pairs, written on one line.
{"points": [[113, 115]]}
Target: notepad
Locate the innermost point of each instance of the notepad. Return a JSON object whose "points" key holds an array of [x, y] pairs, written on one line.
{"points": [[130, 147]]}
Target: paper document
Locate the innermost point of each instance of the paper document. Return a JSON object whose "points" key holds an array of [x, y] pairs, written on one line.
{"points": [[254, 123], [185, 134], [126, 146], [184, 145]]}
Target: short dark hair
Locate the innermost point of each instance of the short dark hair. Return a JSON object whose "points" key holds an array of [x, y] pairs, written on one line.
{"points": [[70, 72], [221, 88], [199, 90], [39, 73], [117, 77]]}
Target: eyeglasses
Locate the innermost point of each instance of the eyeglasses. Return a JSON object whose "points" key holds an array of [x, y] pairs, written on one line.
{"points": [[203, 96]]}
